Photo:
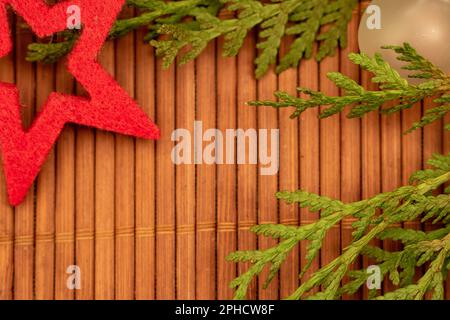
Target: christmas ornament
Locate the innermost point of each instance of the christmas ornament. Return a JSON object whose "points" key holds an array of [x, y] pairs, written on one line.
{"points": [[424, 24], [108, 107]]}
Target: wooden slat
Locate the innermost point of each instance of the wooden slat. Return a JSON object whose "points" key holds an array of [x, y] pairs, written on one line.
{"points": [[65, 195], [104, 199], [165, 185], [330, 159], [227, 173], [432, 135], [432, 144], [370, 160], [45, 200], [411, 149], [267, 184], [7, 213], [309, 155], [370, 155], [125, 171], [185, 187], [289, 177], [145, 175], [247, 174], [24, 213], [350, 143], [85, 208], [412, 157], [391, 171], [206, 177], [446, 150]]}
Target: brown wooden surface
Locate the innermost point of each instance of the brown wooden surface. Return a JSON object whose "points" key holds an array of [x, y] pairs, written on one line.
{"points": [[141, 227]]}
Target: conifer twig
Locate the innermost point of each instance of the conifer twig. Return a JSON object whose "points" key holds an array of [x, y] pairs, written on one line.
{"points": [[398, 206], [302, 19], [377, 216], [392, 88]]}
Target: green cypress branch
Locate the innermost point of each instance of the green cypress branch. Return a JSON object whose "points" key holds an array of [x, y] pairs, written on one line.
{"points": [[393, 88], [433, 280], [53, 51], [397, 206], [378, 216], [192, 24], [154, 14]]}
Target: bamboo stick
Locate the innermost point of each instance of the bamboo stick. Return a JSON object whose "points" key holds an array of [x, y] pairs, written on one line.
{"points": [[432, 144], [267, 185], [289, 177], [391, 170], [85, 209], [185, 187], [24, 213], [330, 175], [104, 199], [350, 144], [309, 153], [125, 171], [206, 177], [7, 212], [412, 157], [433, 137], [65, 195], [371, 155], [145, 175], [45, 200], [227, 118], [247, 174], [446, 150], [411, 150], [165, 184], [371, 160]]}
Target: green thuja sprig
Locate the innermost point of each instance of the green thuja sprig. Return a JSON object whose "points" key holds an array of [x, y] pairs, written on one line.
{"points": [[397, 206], [393, 88], [440, 164], [153, 15], [192, 24], [52, 51], [377, 217], [300, 18]]}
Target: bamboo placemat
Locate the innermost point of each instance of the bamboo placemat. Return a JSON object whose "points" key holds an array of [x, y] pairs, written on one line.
{"points": [[140, 227]]}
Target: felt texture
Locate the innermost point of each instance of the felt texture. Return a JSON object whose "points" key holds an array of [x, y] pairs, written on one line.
{"points": [[108, 107]]}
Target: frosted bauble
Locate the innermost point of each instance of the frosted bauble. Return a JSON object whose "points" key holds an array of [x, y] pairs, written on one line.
{"points": [[425, 24]]}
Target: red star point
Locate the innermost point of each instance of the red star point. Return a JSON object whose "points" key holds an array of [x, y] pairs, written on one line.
{"points": [[108, 107]]}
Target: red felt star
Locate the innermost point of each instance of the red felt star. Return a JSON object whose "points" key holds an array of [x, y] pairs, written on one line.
{"points": [[109, 106]]}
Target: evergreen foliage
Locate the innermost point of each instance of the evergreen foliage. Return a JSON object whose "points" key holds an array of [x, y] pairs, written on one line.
{"points": [[192, 24], [377, 217], [393, 88]]}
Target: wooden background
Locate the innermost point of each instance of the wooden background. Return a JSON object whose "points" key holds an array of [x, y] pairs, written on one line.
{"points": [[140, 227]]}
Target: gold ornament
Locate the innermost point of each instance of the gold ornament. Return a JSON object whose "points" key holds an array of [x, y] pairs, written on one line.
{"points": [[425, 24]]}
